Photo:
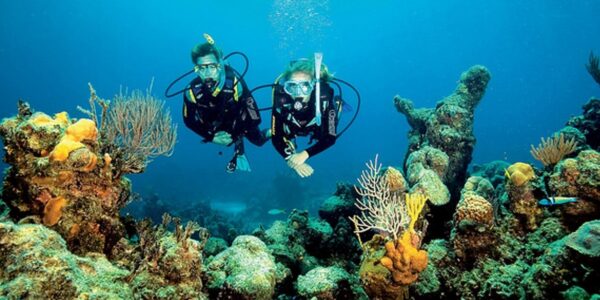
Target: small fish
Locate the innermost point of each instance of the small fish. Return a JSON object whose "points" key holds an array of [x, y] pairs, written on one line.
{"points": [[276, 211], [551, 201]]}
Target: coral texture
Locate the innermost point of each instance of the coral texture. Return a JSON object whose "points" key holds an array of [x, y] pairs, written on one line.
{"points": [[56, 179]]}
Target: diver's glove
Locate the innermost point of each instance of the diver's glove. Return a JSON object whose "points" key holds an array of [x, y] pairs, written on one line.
{"points": [[297, 159], [222, 138], [303, 170]]}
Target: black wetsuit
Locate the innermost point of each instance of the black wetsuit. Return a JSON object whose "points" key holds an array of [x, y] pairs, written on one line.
{"points": [[228, 111], [289, 122]]}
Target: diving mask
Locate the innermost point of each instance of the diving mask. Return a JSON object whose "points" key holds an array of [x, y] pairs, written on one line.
{"points": [[207, 70], [298, 88]]}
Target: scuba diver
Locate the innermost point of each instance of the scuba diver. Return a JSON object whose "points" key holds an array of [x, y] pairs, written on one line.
{"points": [[304, 105], [218, 105]]}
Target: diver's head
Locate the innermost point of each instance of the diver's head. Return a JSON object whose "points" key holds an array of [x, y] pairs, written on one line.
{"points": [[299, 85], [299, 78], [208, 61]]}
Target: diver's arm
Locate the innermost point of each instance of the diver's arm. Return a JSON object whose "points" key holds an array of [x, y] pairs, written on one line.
{"points": [[327, 136], [190, 112], [278, 137], [249, 106]]}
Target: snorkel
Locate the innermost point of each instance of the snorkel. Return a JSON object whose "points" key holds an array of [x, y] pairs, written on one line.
{"points": [[318, 61]]}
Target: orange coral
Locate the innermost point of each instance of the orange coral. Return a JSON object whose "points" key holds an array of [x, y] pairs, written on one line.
{"points": [[519, 173], [63, 149], [404, 260], [84, 129], [53, 210], [41, 119]]}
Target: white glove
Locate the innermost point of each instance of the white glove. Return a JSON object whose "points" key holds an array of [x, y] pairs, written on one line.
{"points": [[222, 138], [297, 159], [303, 170]]}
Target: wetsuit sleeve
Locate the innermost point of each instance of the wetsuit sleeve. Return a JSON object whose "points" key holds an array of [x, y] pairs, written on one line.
{"points": [[278, 137], [250, 116], [327, 133], [249, 107], [190, 118]]}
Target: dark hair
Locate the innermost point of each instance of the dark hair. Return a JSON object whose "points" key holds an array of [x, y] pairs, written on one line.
{"points": [[205, 49]]}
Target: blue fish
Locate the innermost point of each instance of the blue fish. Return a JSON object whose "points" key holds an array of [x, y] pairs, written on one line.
{"points": [[551, 201]]}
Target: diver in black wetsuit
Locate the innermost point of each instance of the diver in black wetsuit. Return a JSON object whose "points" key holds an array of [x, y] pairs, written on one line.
{"points": [[218, 105], [295, 113]]}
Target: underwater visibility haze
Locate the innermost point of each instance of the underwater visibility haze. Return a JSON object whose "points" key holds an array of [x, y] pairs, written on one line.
{"points": [[468, 167]]}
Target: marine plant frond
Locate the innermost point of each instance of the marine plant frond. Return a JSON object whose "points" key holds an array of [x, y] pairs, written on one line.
{"points": [[553, 150], [593, 67], [380, 209], [140, 128]]}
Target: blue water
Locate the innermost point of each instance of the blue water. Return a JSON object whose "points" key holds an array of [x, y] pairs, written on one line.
{"points": [[535, 50]]}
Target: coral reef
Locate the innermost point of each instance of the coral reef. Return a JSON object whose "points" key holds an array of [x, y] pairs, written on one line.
{"points": [[445, 133], [246, 270], [37, 265], [474, 221], [328, 283], [520, 187], [55, 175], [578, 177], [589, 123], [167, 264], [303, 243], [553, 150], [403, 259], [387, 274], [586, 240], [426, 169]]}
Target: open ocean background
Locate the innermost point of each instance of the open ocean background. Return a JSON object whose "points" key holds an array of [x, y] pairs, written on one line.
{"points": [[535, 50]]}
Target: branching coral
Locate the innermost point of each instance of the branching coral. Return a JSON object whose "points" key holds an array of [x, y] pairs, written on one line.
{"points": [[415, 203], [552, 150], [135, 128], [381, 209]]}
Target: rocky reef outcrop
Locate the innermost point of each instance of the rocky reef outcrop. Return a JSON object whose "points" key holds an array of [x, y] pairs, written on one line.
{"points": [[441, 141]]}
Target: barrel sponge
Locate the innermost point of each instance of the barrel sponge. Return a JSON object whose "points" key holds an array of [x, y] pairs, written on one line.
{"points": [[519, 173]]}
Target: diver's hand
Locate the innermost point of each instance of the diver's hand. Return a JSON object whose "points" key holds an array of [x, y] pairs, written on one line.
{"points": [[222, 138], [303, 170], [297, 159]]}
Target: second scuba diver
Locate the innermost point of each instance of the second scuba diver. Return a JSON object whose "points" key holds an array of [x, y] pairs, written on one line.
{"points": [[218, 105], [297, 111]]}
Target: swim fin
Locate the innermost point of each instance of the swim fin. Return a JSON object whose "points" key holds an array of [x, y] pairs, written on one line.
{"points": [[242, 163]]}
